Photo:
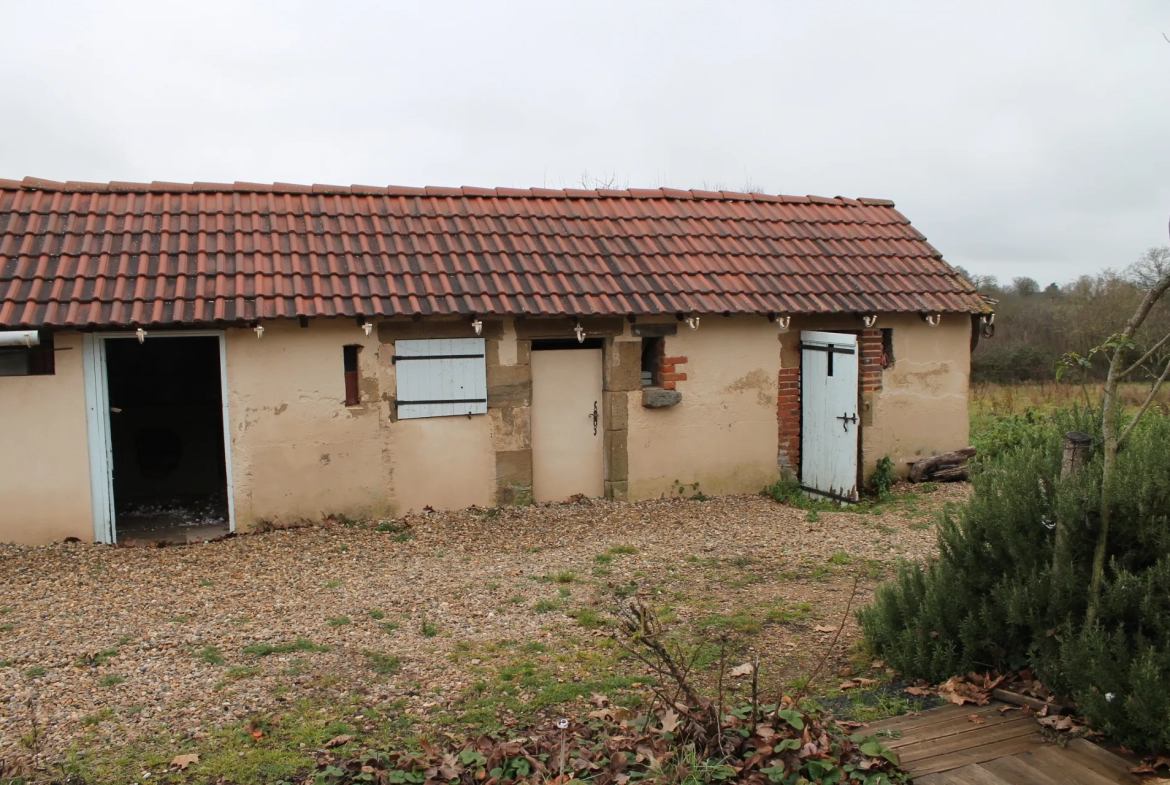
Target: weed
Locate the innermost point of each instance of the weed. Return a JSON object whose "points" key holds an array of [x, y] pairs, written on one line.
{"points": [[564, 576], [813, 516], [111, 680], [390, 626], [205, 582], [297, 667], [300, 644], [928, 487], [921, 526], [5, 663], [35, 671], [492, 586], [384, 664], [210, 655], [376, 614], [389, 526], [840, 558], [428, 629], [603, 558], [177, 619], [339, 621], [821, 572], [97, 718], [882, 479], [547, 606], [564, 592], [333, 584], [342, 548], [237, 672], [589, 618], [740, 561], [784, 614], [622, 550], [100, 658], [601, 572]]}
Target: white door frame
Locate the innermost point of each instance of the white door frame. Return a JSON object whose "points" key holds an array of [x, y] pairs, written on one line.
{"points": [[97, 417]]}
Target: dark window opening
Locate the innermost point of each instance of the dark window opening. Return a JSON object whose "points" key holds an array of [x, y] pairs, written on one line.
{"points": [[653, 350], [28, 360], [353, 395], [887, 347]]}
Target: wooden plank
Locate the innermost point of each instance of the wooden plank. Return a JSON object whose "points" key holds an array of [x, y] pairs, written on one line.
{"points": [[960, 740], [1064, 766], [934, 716], [1103, 761], [973, 774], [954, 725], [981, 754], [1015, 772]]}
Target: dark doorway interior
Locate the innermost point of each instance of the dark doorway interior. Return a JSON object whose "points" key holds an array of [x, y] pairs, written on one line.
{"points": [[166, 431]]}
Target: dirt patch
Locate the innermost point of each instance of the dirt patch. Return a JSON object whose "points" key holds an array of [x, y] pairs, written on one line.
{"points": [[109, 646]]}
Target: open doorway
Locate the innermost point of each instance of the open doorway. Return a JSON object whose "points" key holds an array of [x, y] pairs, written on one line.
{"points": [[166, 439]]}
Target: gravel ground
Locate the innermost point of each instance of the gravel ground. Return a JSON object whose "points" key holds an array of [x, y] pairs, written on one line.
{"points": [[109, 644]]}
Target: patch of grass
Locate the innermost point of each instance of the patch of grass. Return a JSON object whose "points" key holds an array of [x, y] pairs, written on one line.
{"points": [[603, 558], [205, 582], [333, 584], [376, 614], [547, 606], [428, 629], [338, 621], [297, 667], [390, 626], [342, 548], [5, 663], [111, 680], [813, 516], [601, 572], [840, 558], [927, 487], [35, 671], [237, 672], [821, 572], [492, 586], [782, 613], [211, 655], [740, 621], [622, 550], [97, 717], [921, 526], [517, 600], [534, 647], [177, 619], [383, 664], [589, 618], [300, 644], [389, 526], [564, 592], [563, 576]]}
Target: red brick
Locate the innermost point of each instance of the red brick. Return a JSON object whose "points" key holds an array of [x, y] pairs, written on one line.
{"points": [[673, 377], [674, 360], [668, 385]]}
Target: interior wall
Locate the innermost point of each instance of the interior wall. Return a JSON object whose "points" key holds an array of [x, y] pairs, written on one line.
{"points": [[44, 460], [722, 435]]}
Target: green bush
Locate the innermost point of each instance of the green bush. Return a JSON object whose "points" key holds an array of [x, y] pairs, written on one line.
{"points": [[992, 599]]}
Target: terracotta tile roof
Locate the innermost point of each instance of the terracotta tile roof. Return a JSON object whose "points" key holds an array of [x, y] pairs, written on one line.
{"points": [[117, 254]]}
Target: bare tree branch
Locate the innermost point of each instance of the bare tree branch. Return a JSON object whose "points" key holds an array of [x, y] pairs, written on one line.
{"points": [[1145, 405], [1145, 357]]}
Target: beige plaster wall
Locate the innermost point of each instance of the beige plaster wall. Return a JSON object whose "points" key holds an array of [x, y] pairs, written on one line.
{"points": [[921, 409], [44, 453], [723, 433], [298, 452]]}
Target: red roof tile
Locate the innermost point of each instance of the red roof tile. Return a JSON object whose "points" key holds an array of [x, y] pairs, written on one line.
{"points": [[102, 255]]}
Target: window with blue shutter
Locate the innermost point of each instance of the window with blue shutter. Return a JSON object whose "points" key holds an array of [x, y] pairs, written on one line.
{"points": [[441, 377]]}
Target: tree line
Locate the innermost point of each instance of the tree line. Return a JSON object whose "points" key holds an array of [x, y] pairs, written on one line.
{"points": [[1036, 328]]}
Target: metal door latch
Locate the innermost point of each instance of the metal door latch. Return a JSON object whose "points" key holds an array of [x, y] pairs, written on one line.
{"points": [[846, 419], [595, 417]]}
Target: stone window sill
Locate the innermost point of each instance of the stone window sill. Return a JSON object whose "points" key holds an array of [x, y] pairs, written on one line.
{"points": [[658, 398]]}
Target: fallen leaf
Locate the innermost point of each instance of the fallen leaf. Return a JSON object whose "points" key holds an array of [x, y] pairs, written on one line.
{"points": [[850, 684], [824, 628], [669, 721], [1058, 722], [257, 734], [338, 741], [917, 692], [868, 682], [878, 664], [741, 670], [975, 718], [845, 672], [183, 761], [599, 700]]}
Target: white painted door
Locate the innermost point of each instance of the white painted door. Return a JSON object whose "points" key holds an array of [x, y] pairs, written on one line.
{"points": [[567, 431], [829, 424]]}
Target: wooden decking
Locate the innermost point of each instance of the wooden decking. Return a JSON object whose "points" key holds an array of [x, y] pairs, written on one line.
{"points": [[946, 747]]}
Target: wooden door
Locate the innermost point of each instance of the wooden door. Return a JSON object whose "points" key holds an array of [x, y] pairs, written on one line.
{"points": [[567, 431], [829, 424]]}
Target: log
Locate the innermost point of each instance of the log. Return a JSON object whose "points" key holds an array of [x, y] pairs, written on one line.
{"points": [[950, 474], [920, 469]]}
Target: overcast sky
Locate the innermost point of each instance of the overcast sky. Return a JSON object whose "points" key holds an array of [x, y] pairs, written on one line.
{"points": [[1022, 137]]}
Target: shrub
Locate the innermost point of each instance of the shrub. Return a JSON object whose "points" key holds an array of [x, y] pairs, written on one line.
{"points": [[992, 599]]}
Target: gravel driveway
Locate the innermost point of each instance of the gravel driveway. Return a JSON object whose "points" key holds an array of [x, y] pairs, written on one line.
{"points": [[104, 645]]}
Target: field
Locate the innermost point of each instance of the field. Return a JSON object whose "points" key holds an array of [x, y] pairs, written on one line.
{"points": [[991, 403]]}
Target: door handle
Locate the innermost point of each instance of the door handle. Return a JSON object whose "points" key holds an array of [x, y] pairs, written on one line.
{"points": [[595, 417]]}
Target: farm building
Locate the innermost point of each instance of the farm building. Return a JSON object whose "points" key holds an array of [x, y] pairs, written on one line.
{"points": [[185, 360]]}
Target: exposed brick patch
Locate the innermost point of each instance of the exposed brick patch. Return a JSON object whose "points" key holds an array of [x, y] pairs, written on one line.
{"points": [[871, 360], [668, 374], [788, 415]]}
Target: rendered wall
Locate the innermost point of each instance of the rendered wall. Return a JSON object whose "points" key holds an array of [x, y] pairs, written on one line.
{"points": [[722, 435], [44, 453]]}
